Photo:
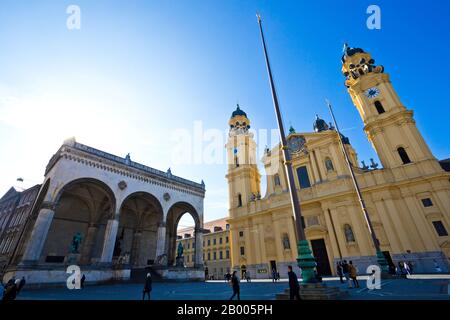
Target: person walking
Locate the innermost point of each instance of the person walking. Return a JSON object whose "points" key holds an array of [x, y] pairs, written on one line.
{"points": [[294, 287], [247, 276], [235, 286], [10, 293], [339, 271], [353, 274], [147, 286], [21, 285], [82, 280], [345, 270]]}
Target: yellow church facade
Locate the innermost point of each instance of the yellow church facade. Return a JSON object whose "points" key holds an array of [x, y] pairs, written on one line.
{"points": [[407, 196]]}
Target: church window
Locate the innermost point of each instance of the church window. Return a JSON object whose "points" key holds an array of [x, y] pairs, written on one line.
{"points": [[329, 164], [241, 233], [239, 200], [403, 155], [220, 255], [276, 179], [228, 254], [209, 255], [303, 178], [236, 161], [349, 236], [215, 255], [214, 241], [242, 251], [379, 107], [440, 229], [427, 202]]}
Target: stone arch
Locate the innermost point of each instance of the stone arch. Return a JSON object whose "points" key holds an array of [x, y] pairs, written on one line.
{"points": [[175, 212], [136, 242], [80, 206]]}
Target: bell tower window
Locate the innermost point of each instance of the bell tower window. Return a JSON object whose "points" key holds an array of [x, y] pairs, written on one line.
{"points": [[403, 155], [239, 200], [379, 107]]}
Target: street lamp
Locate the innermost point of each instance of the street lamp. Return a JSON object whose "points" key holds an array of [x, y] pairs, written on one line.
{"points": [[305, 259], [380, 256]]}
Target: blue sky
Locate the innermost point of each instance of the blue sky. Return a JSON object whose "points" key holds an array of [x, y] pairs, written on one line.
{"points": [[137, 71]]}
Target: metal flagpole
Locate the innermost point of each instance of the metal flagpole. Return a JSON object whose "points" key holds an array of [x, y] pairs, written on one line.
{"points": [[305, 258], [380, 256]]}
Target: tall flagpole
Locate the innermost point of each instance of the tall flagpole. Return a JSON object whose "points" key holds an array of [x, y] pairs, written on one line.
{"points": [[380, 256], [305, 258]]}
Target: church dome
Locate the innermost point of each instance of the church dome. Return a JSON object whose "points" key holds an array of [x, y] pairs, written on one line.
{"points": [[348, 52], [320, 125], [238, 112]]}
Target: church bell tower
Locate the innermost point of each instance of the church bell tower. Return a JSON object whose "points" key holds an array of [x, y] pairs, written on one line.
{"points": [[389, 126], [243, 175]]}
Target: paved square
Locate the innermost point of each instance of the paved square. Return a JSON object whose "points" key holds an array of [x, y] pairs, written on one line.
{"points": [[406, 289]]}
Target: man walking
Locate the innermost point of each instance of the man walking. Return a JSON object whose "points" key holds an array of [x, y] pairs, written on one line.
{"points": [[147, 286], [294, 287], [235, 286], [345, 271], [339, 271], [353, 274], [21, 285]]}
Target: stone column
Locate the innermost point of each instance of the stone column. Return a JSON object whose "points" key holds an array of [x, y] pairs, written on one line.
{"points": [[136, 247], [198, 262], [38, 236], [88, 243], [110, 240], [161, 240]]}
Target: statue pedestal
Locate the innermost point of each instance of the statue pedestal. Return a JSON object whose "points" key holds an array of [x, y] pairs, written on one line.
{"points": [[179, 262], [72, 258]]}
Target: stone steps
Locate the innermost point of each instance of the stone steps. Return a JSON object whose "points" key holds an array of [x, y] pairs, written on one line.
{"points": [[315, 291]]}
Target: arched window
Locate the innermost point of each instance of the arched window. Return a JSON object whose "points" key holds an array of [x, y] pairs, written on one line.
{"points": [[276, 179], [239, 200], [236, 161], [379, 107], [329, 164], [349, 236], [403, 155]]}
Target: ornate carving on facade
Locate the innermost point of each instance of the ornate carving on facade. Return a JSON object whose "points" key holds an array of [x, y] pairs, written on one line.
{"points": [[122, 185], [166, 196]]}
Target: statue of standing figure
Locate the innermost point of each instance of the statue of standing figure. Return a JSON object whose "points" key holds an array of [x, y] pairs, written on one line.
{"points": [[180, 250], [76, 241]]}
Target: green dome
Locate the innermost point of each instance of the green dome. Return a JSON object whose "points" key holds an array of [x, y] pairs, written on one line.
{"points": [[238, 112]]}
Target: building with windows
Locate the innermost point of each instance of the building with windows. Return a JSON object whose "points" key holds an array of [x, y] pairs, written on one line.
{"points": [[216, 247], [408, 196], [15, 208]]}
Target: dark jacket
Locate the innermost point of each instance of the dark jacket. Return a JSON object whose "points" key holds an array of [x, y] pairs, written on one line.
{"points": [[10, 293], [235, 282], [148, 284], [345, 268], [21, 284], [293, 281]]}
